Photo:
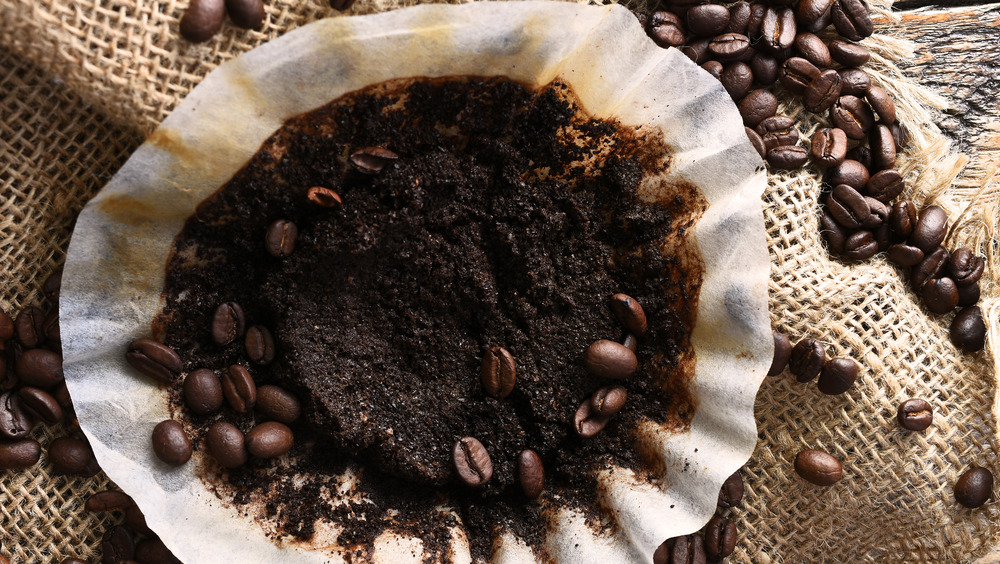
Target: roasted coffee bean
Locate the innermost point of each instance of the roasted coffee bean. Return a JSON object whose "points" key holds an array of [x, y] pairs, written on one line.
{"points": [[882, 104], [720, 537], [862, 154], [280, 238], [155, 360], [968, 295], [829, 147], [608, 359], [899, 135], [530, 473], [731, 493], [915, 414], [756, 20], [818, 467], [6, 327], [202, 20], [940, 295], [248, 14], [822, 92], [847, 206], [472, 462], [15, 421], [933, 266], [341, 5], [706, 20], [813, 49], [28, 327], [108, 500], [269, 440], [170, 443], [72, 456], [714, 68], [52, 286], [41, 404], [777, 29], [860, 245], [853, 115], [498, 372], [19, 454], [61, 393], [608, 400], [689, 549], [930, 230], [878, 215], [153, 551], [756, 141], [64, 561], [807, 359], [883, 237], [765, 68], [630, 342], [51, 330], [8, 379], [239, 389], [835, 235], [325, 197], [227, 445], [587, 422], [854, 82], [777, 131], [782, 352], [278, 404], [202, 391], [838, 375], [849, 54], [974, 487], [849, 172], [810, 11], [903, 218], [697, 50], [796, 73], [729, 46], [739, 18], [117, 545], [259, 344], [883, 150], [736, 77], [968, 330], [136, 521], [629, 313], [371, 160], [41, 368], [851, 19], [228, 323], [666, 29], [787, 157], [965, 268], [904, 255]]}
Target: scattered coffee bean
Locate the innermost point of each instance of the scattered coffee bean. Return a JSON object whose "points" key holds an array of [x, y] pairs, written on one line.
{"points": [[777, 29], [239, 389], [259, 344], [974, 487], [813, 49], [280, 238], [853, 115], [609, 400], [248, 14], [849, 54], [498, 373], [52, 286], [715, 69], [930, 229], [608, 359], [756, 106], [228, 323], [932, 267], [915, 414], [833, 233], [807, 359], [847, 206], [940, 295], [968, 329], [854, 82], [903, 218], [278, 404], [782, 352], [472, 462], [227, 445], [787, 157], [630, 342], [878, 215], [108, 500], [968, 295], [19, 454], [371, 160], [720, 537], [883, 148], [324, 197], [860, 245], [15, 421], [688, 549], [72, 456], [666, 29], [51, 331], [838, 375], [777, 131], [41, 404], [153, 551], [885, 185], [587, 422], [905, 255], [765, 68], [731, 493], [202, 391], [269, 440], [736, 78], [829, 147], [706, 20], [818, 467], [849, 172], [882, 104], [41, 368], [728, 46], [202, 20], [170, 443], [6, 327], [531, 473], [822, 91], [629, 313], [851, 19], [28, 327], [155, 360], [136, 521], [796, 73], [756, 141], [117, 545], [965, 268], [739, 17]]}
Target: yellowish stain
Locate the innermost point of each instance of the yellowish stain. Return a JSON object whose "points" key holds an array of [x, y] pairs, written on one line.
{"points": [[170, 141], [127, 209]]}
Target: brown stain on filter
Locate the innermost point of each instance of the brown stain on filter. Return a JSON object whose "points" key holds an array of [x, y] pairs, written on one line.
{"points": [[170, 141]]}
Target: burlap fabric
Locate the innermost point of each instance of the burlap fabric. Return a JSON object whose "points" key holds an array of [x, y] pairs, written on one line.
{"points": [[81, 82]]}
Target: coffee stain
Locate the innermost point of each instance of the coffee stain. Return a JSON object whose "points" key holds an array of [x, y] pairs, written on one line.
{"points": [[128, 209], [169, 140]]}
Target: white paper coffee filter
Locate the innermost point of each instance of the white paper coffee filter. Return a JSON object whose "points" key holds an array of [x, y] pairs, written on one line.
{"points": [[114, 271]]}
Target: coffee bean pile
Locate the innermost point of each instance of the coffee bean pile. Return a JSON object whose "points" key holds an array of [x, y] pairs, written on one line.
{"points": [[132, 541], [776, 44], [716, 541], [603, 358]]}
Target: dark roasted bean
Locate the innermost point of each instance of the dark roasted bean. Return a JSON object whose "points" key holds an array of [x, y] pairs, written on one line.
{"points": [[239, 389], [860, 245], [782, 352], [136, 521], [170, 443], [849, 54], [829, 147], [19, 454], [688, 550], [666, 29], [228, 323], [883, 150], [854, 82], [629, 313], [153, 551], [608, 400], [41, 404], [853, 115], [915, 414], [278, 404], [6, 327], [739, 18], [930, 229], [41, 368], [852, 20], [51, 330], [72, 456], [371, 160], [904, 255], [974, 487], [269, 440], [325, 197], [847, 206], [720, 537], [587, 422], [777, 131], [248, 14], [472, 461], [736, 78], [863, 154], [878, 215], [756, 20], [341, 5], [788, 157], [630, 342], [155, 360], [202, 391], [530, 473], [883, 237], [968, 330], [903, 218], [811, 11], [280, 238], [498, 372], [202, 20], [729, 46], [117, 545], [899, 135], [706, 20], [731, 493], [697, 50], [882, 104], [966, 268], [838, 375], [765, 68], [807, 359], [818, 467], [51, 287], [796, 73], [28, 327], [108, 500], [933, 266], [849, 172], [226, 444], [835, 235], [968, 295], [714, 68], [813, 49], [61, 393], [940, 295], [608, 359], [259, 344], [756, 141], [777, 30]]}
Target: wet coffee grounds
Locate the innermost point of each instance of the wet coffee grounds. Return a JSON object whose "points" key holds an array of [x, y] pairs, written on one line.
{"points": [[508, 219]]}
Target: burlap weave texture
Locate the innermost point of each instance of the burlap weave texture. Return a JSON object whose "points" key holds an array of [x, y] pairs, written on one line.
{"points": [[122, 67]]}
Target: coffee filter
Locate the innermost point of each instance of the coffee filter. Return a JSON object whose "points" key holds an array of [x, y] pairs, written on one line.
{"points": [[114, 270]]}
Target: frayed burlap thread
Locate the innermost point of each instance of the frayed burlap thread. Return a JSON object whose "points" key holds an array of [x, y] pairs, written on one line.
{"points": [[127, 68]]}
